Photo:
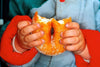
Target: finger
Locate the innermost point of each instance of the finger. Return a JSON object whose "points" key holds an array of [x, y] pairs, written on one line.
{"points": [[23, 24], [70, 33], [35, 43], [73, 25], [71, 40], [72, 47], [34, 36], [75, 47], [29, 29]]}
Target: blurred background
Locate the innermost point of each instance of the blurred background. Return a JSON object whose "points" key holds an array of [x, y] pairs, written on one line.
{"points": [[4, 9]]}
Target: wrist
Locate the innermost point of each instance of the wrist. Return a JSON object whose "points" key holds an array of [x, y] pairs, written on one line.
{"points": [[16, 46], [85, 53]]}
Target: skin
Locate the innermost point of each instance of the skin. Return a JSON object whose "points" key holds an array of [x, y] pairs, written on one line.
{"points": [[72, 39], [25, 39]]}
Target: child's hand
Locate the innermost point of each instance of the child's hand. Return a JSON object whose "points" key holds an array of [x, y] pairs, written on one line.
{"points": [[25, 39], [73, 40]]}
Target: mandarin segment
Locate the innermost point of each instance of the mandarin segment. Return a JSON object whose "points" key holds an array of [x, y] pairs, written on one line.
{"points": [[51, 46]]}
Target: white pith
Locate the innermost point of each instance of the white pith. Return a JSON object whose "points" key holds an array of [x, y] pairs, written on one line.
{"points": [[44, 20], [61, 21]]}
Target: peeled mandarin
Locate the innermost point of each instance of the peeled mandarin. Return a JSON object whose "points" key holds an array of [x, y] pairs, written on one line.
{"points": [[51, 46]]}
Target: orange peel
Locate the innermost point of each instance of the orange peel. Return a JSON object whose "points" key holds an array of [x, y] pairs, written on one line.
{"points": [[51, 46]]}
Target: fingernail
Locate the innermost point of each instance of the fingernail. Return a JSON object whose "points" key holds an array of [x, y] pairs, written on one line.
{"points": [[66, 25], [43, 40], [61, 34], [60, 41], [29, 22], [64, 47], [42, 32], [38, 25]]}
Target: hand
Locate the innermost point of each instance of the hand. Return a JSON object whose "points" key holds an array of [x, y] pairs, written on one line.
{"points": [[25, 39], [74, 41]]}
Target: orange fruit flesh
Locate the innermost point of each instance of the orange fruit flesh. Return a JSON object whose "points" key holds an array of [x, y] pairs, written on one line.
{"points": [[51, 46]]}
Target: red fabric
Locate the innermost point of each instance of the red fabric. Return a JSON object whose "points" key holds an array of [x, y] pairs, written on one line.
{"points": [[7, 50], [93, 42], [92, 39], [62, 0]]}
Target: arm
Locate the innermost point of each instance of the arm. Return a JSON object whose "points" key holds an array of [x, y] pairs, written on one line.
{"points": [[7, 52], [93, 43], [16, 7]]}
